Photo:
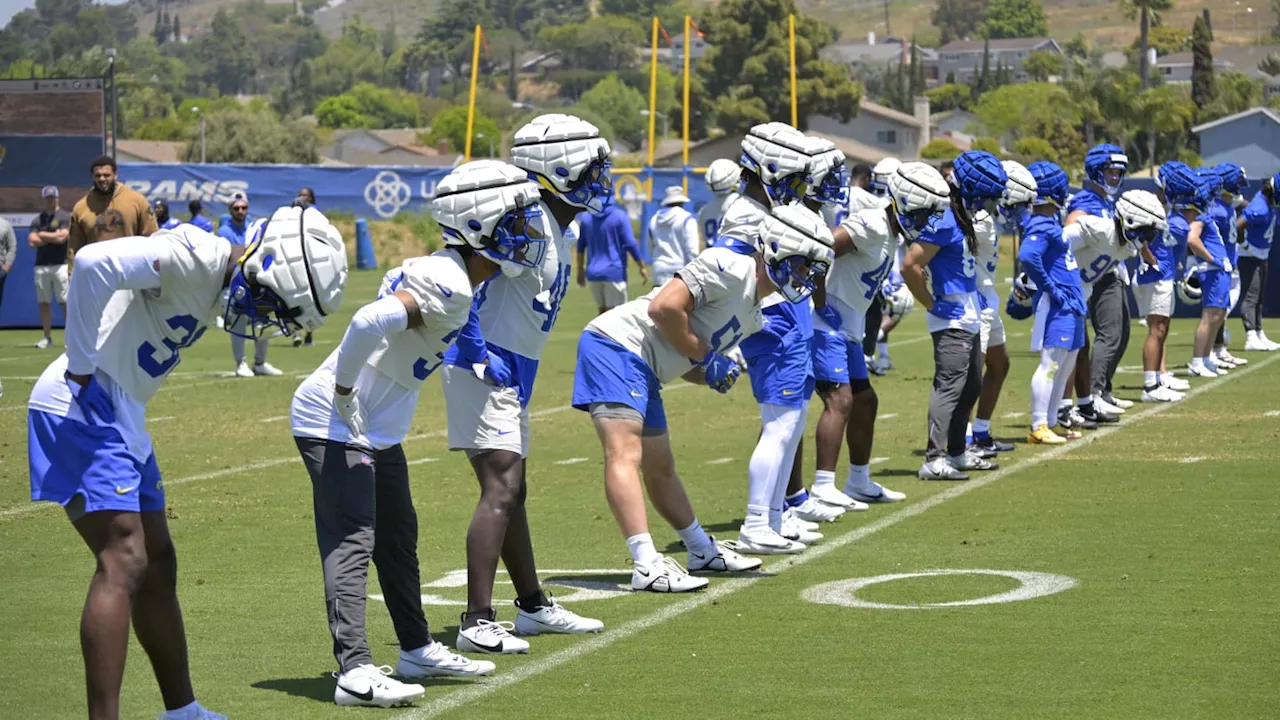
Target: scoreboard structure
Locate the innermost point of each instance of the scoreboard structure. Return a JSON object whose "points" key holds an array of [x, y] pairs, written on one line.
{"points": [[50, 130]]}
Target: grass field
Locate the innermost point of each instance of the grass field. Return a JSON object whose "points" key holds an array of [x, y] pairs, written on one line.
{"points": [[1168, 524]]}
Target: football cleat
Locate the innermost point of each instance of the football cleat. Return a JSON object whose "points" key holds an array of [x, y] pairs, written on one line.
{"points": [[879, 494], [1174, 383], [242, 370], [1161, 394], [940, 469], [1223, 355], [664, 576], [43, 343], [491, 638], [815, 511], [979, 451], [764, 541], [1222, 363], [371, 686], [789, 514], [969, 461], [554, 619], [876, 368], [1118, 402], [883, 364], [1106, 407], [1071, 418], [1044, 436], [1204, 371], [266, 369], [1068, 433], [831, 496], [1095, 414], [201, 713], [793, 531], [436, 660], [990, 444], [725, 560]]}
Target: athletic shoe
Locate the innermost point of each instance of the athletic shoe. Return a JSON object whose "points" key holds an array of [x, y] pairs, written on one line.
{"points": [[881, 494], [1103, 406], [242, 370], [991, 444], [874, 367], [969, 461], [792, 531], [831, 496], [1044, 436], [790, 515], [664, 576], [1161, 394], [725, 560], [1072, 419], [266, 369], [979, 451], [1093, 413], [493, 638], [883, 364], [308, 342], [1172, 382], [554, 619], [1068, 433], [1271, 344], [1219, 362], [764, 541], [44, 343], [940, 469], [1257, 345], [1118, 402], [814, 511], [436, 660], [297, 340], [370, 686], [1199, 370], [1224, 356], [202, 713]]}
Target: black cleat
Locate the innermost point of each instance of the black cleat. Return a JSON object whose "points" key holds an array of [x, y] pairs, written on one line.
{"points": [[1072, 420], [993, 445], [1089, 412]]}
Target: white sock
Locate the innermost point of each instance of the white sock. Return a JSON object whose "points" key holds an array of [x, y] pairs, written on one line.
{"points": [[824, 477], [859, 480], [695, 538], [882, 348], [186, 712], [642, 549], [1064, 404], [1042, 383], [757, 517], [1250, 336], [770, 466], [775, 520], [1150, 378]]}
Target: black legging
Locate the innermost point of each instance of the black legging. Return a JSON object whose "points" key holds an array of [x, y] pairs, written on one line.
{"points": [[875, 314]]}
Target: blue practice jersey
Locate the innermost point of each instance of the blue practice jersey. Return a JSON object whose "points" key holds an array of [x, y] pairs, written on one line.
{"points": [[953, 270], [1046, 257]]}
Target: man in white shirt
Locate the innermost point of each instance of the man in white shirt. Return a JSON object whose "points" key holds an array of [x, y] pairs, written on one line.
{"points": [[673, 236]]}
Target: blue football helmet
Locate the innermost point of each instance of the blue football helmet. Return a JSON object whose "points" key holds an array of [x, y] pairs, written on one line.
{"points": [[1102, 158], [1051, 183], [1233, 177], [981, 180], [1184, 189]]}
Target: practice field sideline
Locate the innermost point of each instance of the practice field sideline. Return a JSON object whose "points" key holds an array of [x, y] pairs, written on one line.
{"points": [[1172, 613]]}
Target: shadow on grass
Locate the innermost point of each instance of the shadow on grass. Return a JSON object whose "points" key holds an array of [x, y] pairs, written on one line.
{"points": [[320, 688]]}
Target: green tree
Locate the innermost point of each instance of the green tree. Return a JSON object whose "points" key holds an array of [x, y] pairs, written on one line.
{"points": [[1148, 14], [451, 125], [949, 97], [1015, 111], [246, 136], [917, 71], [228, 64], [177, 27], [982, 78], [1166, 39], [1031, 149], [1202, 85], [940, 149], [987, 144], [1270, 64], [1169, 114], [141, 103], [341, 111], [1041, 65], [1076, 47], [620, 106], [356, 57], [959, 19], [1015, 19], [747, 66], [166, 129], [1233, 92], [604, 42]]}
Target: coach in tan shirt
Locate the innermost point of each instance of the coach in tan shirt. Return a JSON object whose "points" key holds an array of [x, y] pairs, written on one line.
{"points": [[109, 211]]}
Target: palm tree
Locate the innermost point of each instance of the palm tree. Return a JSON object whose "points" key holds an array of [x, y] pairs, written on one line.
{"points": [[1148, 12]]}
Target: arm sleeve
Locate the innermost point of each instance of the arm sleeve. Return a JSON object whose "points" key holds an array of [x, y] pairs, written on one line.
{"points": [[582, 241], [1075, 235], [101, 270], [471, 347], [1031, 255], [371, 324]]}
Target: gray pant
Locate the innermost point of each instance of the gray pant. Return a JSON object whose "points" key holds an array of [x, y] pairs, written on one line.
{"points": [[259, 349], [1253, 289], [364, 510], [1109, 313], [957, 383]]}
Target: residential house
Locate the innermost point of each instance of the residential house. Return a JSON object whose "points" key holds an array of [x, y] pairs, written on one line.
{"points": [[149, 151], [1176, 67], [696, 51], [385, 147], [1251, 139], [963, 58], [885, 129], [958, 126], [888, 52]]}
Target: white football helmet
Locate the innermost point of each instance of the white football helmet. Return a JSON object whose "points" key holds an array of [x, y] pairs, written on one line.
{"points": [[918, 195], [779, 155], [828, 177], [722, 176], [291, 275], [880, 175], [797, 247], [566, 155], [1021, 187], [1140, 215], [1189, 288], [900, 302], [494, 208]]}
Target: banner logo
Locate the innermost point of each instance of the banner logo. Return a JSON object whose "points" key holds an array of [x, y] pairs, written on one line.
{"points": [[387, 194]]}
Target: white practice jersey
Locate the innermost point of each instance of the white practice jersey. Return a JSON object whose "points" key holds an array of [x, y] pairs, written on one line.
{"points": [[1093, 241], [725, 310], [741, 220], [988, 241], [860, 199], [856, 277], [388, 385], [134, 304], [517, 313], [709, 217]]}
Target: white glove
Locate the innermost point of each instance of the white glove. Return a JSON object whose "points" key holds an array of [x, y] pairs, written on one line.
{"points": [[349, 408], [736, 356]]}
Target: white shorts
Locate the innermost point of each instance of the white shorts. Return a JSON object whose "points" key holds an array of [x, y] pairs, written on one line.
{"points": [[662, 277], [608, 294], [992, 332], [51, 282], [1155, 298], [482, 417]]}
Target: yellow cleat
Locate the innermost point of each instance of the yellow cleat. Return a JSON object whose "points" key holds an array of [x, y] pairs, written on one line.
{"points": [[1068, 433], [1044, 436]]}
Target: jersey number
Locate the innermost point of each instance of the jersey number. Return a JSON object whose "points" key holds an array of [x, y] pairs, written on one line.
{"points": [[1096, 269], [423, 368], [873, 279], [1070, 261], [558, 290], [717, 339], [709, 229], [185, 324]]}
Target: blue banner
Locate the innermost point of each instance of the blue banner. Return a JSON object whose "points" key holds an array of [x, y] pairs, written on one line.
{"points": [[38, 160]]}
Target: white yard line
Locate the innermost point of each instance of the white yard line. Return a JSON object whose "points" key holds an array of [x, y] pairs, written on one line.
{"points": [[274, 418], [723, 588], [571, 461], [1190, 460], [887, 416], [1271, 413], [421, 461], [720, 461], [878, 460]]}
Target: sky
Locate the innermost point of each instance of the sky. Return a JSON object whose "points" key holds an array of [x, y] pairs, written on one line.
{"points": [[9, 8]]}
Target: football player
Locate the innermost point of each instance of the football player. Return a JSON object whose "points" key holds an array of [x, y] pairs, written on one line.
{"points": [[1060, 310], [722, 178], [1207, 257], [134, 305], [1155, 298], [488, 382], [351, 415], [896, 299], [1257, 224], [1223, 213]]}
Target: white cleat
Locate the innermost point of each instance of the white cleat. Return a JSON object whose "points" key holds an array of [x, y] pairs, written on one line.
{"points": [[1106, 407], [242, 370], [1161, 394], [1224, 355], [1256, 344], [202, 713], [1222, 363], [764, 541], [724, 560], [831, 496], [43, 343], [370, 686], [1120, 403], [790, 514], [884, 364], [877, 494], [792, 531], [1174, 383], [1271, 344], [491, 638], [664, 576], [940, 469], [437, 660], [266, 369], [815, 511], [555, 619]]}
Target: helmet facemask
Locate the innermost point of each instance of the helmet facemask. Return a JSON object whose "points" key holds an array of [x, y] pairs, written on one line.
{"points": [[795, 276]]}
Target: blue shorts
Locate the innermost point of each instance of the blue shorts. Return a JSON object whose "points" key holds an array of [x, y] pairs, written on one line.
{"points": [[70, 458], [609, 373], [1057, 328], [783, 377], [856, 361], [830, 362], [1216, 288]]}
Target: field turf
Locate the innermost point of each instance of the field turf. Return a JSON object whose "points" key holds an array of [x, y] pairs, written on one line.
{"points": [[1168, 524]]}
